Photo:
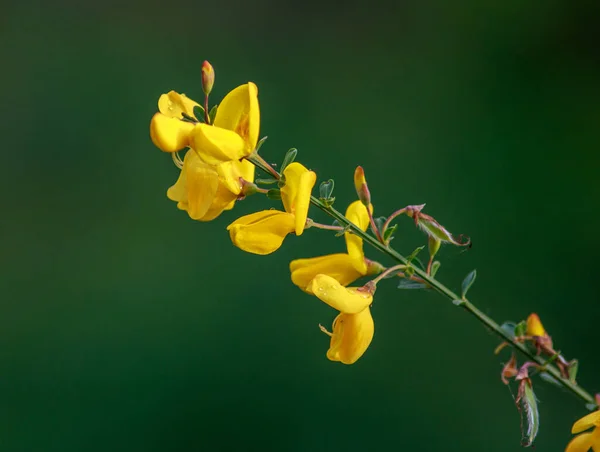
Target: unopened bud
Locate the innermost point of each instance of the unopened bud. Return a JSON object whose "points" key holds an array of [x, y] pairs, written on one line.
{"points": [[374, 267], [534, 326], [360, 183], [208, 77]]}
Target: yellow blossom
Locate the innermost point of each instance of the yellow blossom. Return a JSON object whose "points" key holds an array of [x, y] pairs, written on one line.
{"points": [[352, 334], [588, 440], [353, 328], [345, 268], [534, 326], [233, 135], [205, 191], [263, 232]]}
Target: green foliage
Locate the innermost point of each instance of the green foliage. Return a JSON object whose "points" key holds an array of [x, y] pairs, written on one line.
{"points": [[468, 282], [213, 114], [261, 142], [530, 416], [410, 284], [435, 267], [274, 194], [199, 112], [290, 156], [388, 234]]}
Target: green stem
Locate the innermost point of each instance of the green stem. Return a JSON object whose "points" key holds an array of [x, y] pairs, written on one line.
{"points": [[438, 287], [465, 304]]}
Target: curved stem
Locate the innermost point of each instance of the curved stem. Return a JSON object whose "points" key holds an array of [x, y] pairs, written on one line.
{"points": [[437, 286]]}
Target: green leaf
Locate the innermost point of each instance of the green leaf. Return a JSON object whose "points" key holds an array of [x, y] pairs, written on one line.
{"points": [[435, 267], [326, 189], [266, 181], [260, 143], [343, 231], [468, 282], [290, 156], [410, 284], [530, 416], [379, 222], [573, 368], [212, 115], [274, 194], [550, 379], [413, 255], [509, 328], [199, 113], [389, 233], [521, 329]]}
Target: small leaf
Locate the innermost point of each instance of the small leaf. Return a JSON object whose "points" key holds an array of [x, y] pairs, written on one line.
{"points": [[591, 406], [573, 368], [458, 302], [379, 222], [468, 282], [410, 284], [199, 112], [530, 416], [343, 231], [508, 328], [274, 194], [521, 329], [212, 115], [266, 181], [413, 255], [290, 156], [260, 143], [326, 189], [435, 267], [389, 233], [550, 379]]}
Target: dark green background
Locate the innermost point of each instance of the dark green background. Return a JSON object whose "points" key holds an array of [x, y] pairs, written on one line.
{"points": [[126, 326]]}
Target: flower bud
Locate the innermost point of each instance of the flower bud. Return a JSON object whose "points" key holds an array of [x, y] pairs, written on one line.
{"points": [[360, 183], [208, 77], [534, 326]]}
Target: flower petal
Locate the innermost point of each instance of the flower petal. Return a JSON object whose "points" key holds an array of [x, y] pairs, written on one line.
{"points": [[534, 326], [349, 300], [352, 335], [338, 266], [296, 192], [591, 420], [261, 232], [216, 145], [170, 134], [357, 214], [174, 104], [580, 443], [223, 200], [230, 173], [240, 113], [201, 183]]}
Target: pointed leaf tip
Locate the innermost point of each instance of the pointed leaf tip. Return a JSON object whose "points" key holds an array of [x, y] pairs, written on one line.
{"points": [[468, 282]]}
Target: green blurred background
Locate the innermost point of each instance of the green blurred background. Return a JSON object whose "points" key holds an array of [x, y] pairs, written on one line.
{"points": [[126, 326]]}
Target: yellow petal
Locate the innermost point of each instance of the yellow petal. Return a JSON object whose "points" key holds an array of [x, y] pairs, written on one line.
{"points": [[216, 145], [295, 195], [170, 134], [202, 182], [174, 104], [338, 266], [352, 335], [261, 232], [231, 172], [349, 300], [223, 200], [357, 214], [591, 420], [534, 326], [240, 113], [580, 443], [178, 192]]}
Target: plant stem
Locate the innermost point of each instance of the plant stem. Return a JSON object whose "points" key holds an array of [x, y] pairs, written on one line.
{"points": [[438, 287], [465, 304]]}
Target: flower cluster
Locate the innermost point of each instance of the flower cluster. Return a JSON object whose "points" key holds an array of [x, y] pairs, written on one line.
{"points": [[221, 147]]}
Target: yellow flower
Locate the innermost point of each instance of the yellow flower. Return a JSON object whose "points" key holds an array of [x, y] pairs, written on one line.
{"points": [[534, 326], [353, 328], [205, 191], [346, 268], [233, 135], [263, 232], [167, 130], [589, 440]]}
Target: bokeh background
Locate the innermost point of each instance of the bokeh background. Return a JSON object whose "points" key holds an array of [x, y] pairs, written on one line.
{"points": [[126, 326]]}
